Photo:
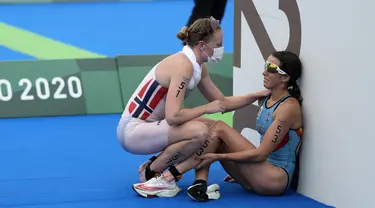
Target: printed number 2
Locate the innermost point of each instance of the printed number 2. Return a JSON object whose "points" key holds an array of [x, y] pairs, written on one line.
{"points": [[74, 88], [182, 85]]}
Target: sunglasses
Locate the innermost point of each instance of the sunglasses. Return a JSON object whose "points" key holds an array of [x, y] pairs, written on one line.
{"points": [[273, 68]]}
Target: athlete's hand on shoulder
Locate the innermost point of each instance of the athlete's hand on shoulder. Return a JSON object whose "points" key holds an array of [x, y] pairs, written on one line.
{"points": [[215, 107], [263, 93]]}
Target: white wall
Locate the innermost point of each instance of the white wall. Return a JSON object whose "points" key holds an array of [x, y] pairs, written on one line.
{"points": [[338, 51]]}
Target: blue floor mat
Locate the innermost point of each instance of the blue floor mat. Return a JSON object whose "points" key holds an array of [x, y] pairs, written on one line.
{"points": [[77, 162], [112, 28]]}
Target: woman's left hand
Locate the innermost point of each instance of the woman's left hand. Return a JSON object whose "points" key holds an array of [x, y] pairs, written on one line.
{"points": [[264, 93], [208, 159]]}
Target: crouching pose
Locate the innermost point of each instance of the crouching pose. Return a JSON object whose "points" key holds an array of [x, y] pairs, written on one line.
{"points": [[267, 169]]}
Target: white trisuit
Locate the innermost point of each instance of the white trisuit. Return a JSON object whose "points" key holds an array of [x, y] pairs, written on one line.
{"points": [[142, 128]]}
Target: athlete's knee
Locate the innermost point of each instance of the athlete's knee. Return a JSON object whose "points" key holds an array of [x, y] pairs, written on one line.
{"points": [[199, 131], [207, 121], [218, 129]]}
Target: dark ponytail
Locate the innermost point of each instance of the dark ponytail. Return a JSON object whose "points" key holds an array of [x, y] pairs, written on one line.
{"points": [[291, 64], [294, 91]]}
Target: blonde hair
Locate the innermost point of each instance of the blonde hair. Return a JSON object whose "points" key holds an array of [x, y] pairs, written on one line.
{"points": [[201, 30]]}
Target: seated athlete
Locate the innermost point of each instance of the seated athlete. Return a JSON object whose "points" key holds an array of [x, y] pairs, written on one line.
{"points": [[266, 170], [154, 120]]}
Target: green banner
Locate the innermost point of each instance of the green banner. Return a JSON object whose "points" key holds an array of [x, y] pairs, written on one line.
{"points": [[132, 70], [59, 87], [86, 86]]}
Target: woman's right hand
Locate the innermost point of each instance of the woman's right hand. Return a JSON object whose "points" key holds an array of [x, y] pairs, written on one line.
{"points": [[215, 107]]}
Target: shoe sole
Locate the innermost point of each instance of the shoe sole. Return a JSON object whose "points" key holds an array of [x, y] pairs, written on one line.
{"points": [[160, 194], [196, 199], [212, 192], [143, 194]]}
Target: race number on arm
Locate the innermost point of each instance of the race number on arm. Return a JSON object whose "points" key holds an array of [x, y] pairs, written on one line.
{"points": [[174, 113]]}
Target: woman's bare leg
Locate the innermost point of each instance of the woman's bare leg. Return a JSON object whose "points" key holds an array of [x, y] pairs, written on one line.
{"points": [[183, 140], [208, 122], [248, 175], [211, 144], [231, 169], [214, 143], [262, 177], [173, 154], [217, 138]]}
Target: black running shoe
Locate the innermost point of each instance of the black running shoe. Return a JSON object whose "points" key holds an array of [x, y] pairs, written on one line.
{"points": [[201, 193]]}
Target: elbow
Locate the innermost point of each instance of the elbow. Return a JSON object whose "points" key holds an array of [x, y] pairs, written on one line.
{"points": [[172, 121]]}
